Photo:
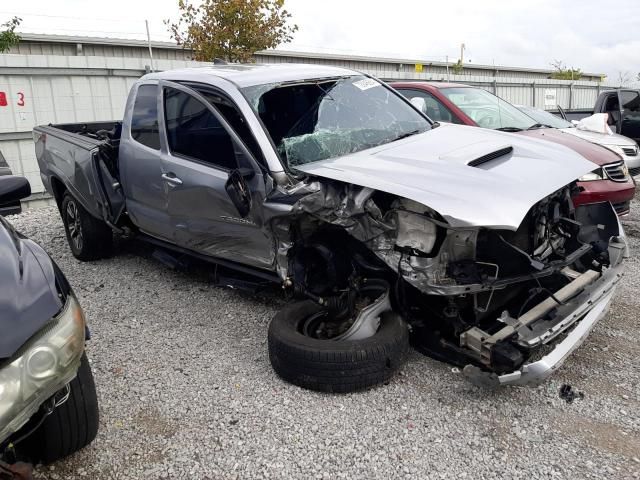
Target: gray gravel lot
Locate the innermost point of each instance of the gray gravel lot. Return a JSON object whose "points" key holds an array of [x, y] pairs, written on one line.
{"points": [[186, 391]]}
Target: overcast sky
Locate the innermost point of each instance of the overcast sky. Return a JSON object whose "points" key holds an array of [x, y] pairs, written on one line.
{"points": [[591, 35]]}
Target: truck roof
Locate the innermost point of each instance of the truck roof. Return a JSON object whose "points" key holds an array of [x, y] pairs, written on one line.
{"points": [[244, 75]]}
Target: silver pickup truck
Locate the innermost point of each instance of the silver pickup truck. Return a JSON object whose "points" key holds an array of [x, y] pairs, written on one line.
{"points": [[384, 226]]}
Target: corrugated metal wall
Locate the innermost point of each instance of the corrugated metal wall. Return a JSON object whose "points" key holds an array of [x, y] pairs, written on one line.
{"points": [[50, 88], [26, 47], [60, 89]]}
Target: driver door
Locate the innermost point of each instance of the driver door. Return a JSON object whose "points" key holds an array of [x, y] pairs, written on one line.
{"points": [[629, 125], [214, 187]]}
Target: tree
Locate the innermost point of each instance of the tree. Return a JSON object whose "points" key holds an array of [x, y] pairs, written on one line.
{"points": [[232, 30], [8, 36], [563, 73], [624, 77], [457, 67]]}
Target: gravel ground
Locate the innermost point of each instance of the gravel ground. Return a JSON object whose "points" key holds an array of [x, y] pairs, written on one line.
{"points": [[186, 391]]}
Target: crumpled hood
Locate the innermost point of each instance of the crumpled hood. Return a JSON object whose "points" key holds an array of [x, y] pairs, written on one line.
{"points": [[28, 296], [431, 168], [601, 138]]}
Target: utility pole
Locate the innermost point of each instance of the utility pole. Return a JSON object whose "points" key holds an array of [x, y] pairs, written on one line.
{"points": [[146, 22], [447, 62], [461, 53]]}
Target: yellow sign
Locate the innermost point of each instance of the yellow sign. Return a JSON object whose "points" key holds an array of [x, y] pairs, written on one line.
{"points": [[418, 67]]}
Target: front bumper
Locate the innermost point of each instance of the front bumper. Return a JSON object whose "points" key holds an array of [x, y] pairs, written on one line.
{"points": [[585, 312], [618, 193]]}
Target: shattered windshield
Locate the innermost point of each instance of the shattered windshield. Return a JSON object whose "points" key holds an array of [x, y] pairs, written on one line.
{"points": [[315, 120], [487, 110]]}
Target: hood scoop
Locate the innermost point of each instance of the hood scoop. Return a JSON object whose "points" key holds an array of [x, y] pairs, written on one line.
{"points": [[490, 156]]}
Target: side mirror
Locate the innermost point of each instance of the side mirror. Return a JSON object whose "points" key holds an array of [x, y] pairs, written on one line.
{"points": [[238, 191], [419, 103], [13, 188]]}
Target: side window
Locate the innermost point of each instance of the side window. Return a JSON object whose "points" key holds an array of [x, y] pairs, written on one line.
{"points": [[433, 108], [237, 122], [194, 132], [144, 121], [612, 103], [630, 100]]}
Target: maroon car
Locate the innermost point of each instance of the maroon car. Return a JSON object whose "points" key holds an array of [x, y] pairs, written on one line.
{"points": [[462, 104]]}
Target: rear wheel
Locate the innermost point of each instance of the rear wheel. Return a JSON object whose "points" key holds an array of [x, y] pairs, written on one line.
{"points": [[88, 237], [300, 357], [72, 425]]}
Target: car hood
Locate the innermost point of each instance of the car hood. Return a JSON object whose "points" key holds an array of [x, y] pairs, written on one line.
{"points": [[591, 151], [431, 168], [28, 295], [601, 138]]}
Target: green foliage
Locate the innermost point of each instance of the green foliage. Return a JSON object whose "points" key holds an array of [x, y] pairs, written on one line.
{"points": [[232, 30], [8, 36], [563, 73], [457, 67]]}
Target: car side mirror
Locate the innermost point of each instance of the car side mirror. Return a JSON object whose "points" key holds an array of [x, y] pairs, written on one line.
{"points": [[419, 103], [238, 190], [13, 188]]}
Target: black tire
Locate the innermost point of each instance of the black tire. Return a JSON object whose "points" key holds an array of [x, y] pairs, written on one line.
{"points": [[71, 426], [88, 237], [335, 366]]}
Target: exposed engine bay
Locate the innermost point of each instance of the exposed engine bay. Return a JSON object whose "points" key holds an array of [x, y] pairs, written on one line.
{"points": [[477, 297]]}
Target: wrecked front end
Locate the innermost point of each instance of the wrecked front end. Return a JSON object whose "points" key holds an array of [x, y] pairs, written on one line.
{"points": [[508, 306]]}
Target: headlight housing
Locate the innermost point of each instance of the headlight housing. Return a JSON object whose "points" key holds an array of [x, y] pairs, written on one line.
{"points": [[596, 174], [43, 366]]}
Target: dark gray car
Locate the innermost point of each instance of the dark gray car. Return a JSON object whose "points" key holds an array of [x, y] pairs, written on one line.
{"points": [[8, 208], [48, 402]]}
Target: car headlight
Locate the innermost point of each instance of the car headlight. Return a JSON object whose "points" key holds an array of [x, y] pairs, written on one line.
{"points": [[43, 366], [597, 174]]}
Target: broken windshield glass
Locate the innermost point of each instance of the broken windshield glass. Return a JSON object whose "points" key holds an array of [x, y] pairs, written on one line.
{"points": [[316, 120]]}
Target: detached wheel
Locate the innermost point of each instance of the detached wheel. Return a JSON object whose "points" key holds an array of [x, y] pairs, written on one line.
{"points": [[72, 425], [88, 237], [334, 365]]}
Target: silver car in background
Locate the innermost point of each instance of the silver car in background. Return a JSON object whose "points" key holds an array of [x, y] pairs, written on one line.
{"points": [[623, 146]]}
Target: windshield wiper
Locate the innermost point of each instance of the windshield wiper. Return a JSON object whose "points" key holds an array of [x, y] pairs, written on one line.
{"points": [[535, 126], [408, 134], [509, 129]]}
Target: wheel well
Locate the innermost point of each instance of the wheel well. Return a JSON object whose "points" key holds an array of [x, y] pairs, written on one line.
{"points": [[323, 262], [58, 189]]}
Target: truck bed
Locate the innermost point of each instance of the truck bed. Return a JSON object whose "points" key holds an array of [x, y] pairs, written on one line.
{"points": [[83, 159]]}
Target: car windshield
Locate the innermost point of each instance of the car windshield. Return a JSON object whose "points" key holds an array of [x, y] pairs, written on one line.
{"points": [[319, 119], [487, 110], [546, 118]]}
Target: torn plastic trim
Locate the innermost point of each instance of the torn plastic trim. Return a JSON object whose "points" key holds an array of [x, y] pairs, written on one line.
{"points": [[537, 372], [584, 311], [579, 295]]}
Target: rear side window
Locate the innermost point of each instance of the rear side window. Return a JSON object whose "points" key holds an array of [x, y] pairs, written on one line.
{"points": [[144, 122], [431, 106], [194, 132], [630, 100]]}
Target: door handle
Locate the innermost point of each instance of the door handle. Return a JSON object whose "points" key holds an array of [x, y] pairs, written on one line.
{"points": [[171, 178]]}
